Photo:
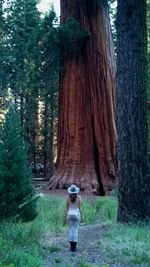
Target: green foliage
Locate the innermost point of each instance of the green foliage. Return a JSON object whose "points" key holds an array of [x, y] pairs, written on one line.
{"points": [[48, 91], [16, 190], [19, 243], [4, 265], [54, 249], [107, 209], [58, 260], [71, 36], [103, 210], [54, 207], [22, 22]]}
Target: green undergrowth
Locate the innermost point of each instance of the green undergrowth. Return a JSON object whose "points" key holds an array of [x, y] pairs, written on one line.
{"points": [[127, 244], [21, 244], [103, 210]]}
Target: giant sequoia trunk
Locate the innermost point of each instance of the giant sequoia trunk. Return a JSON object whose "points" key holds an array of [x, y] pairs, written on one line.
{"points": [[86, 126], [131, 99]]}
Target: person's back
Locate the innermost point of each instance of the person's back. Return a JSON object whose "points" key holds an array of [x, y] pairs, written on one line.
{"points": [[73, 212]]}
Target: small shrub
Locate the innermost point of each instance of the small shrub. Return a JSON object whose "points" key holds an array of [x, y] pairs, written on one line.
{"points": [[16, 189], [141, 259], [54, 249], [58, 260]]}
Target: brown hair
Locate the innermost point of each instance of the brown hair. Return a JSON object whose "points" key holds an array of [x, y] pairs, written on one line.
{"points": [[73, 197]]}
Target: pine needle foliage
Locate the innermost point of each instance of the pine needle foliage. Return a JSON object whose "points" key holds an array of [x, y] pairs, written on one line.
{"points": [[71, 36], [17, 197]]}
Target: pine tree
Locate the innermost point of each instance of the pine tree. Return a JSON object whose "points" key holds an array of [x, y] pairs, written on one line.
{"points": [[4, 54], [49, 73], [17, 196], [23, 22]]}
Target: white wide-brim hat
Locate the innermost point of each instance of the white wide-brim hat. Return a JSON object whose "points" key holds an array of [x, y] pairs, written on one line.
{"points": [[73, 189]]}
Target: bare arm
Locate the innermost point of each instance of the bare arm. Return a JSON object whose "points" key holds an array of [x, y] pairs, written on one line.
{"points": [[80, 208], [66, 209]]}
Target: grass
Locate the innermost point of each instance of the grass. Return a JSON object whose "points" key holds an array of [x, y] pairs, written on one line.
{"points": [[21, 243], [103, 210], [130, 244], [54, 249]]}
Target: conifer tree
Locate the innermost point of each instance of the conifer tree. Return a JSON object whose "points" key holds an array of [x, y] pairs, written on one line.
{"points": [[49, 73], [17, 196], [23, 22]]}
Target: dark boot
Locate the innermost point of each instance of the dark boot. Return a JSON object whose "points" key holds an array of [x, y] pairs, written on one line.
{"points": [[74, 246], [71, 246]]}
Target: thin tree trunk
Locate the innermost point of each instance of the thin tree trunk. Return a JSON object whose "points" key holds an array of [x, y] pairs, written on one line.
{"points": [[48, 135], [51, 138], [45, 135], [32, 128], [22, 110], [86, 123]]}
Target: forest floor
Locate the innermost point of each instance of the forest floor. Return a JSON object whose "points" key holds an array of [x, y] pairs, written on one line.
{"points": [[91, 250], [96, 247]]}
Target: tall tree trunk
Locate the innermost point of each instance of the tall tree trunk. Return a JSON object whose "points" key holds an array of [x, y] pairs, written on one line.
{"points": [[32, 127], [45, 145], [48, 135], [51, 138], [131, 99], [86, 123], [22, 109]]}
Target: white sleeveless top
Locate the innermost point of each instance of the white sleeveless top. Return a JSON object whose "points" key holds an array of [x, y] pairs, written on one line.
{"points": [[73, 212]]}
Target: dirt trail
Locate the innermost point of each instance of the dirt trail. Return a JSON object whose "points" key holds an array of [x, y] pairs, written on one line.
{"points": [[94, 248], [90, 250], [56, 249]]}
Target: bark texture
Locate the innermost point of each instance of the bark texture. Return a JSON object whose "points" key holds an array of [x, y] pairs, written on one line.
{"points": [[131, 102], [86, 123]]}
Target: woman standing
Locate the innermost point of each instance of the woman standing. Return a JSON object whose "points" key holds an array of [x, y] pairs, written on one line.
{"points": [[73, 215]]}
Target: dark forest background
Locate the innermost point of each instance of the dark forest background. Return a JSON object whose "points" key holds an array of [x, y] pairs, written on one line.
{"points": [[30, 47]]}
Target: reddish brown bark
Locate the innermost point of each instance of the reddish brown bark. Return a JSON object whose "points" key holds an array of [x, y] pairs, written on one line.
{"points": [[86, 127]]}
